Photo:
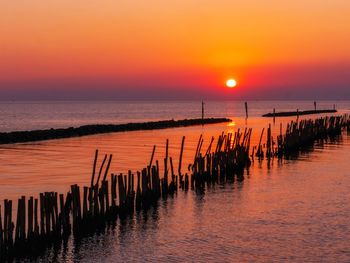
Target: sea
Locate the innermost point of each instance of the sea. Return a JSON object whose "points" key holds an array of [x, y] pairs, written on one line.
{"points": [[294, 210]]}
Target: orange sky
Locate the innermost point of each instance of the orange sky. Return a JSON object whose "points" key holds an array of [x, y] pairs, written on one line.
{"points": [[182, 44]]}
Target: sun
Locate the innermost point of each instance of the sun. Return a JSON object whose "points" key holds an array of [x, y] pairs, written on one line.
{"points": [[231, 83]]}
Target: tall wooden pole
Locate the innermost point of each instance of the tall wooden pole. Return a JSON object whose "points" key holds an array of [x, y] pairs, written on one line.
{"points": [[202, 110]]}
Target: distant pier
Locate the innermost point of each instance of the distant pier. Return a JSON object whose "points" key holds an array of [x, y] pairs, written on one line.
{"points": [[298, 113], [41, 135]]}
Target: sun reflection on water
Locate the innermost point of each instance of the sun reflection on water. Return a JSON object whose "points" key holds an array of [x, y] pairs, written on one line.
{"points": [[231, 124]]}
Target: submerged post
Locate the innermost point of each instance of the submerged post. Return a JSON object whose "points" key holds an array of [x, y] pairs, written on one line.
{"points": [[246, 110]]}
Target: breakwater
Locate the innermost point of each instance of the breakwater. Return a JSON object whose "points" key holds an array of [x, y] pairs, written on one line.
{"points": [[298, 113], [41, 135]]}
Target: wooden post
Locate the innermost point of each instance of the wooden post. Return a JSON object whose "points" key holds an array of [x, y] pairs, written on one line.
{"points": [[5, 221], [128, 190], [181, 152], [91, 200], [18, 221], [121, 191], [297, 115], [10, 224], [144, 182], [23, 219], [246, 110], [74, 202], [158, 178], [138, 190], [47, 212], [259, 147], [95, 201], [1, 232], [101, 167], [67, 209], [42, 216], [55, 207], [165, 186], [30, 216], [107, 168], [106, 193], [268, 151], [114, 190], [150, 162], [125, 186], [202, 112], [36, 222], [198, 145], [85, 209], [78, 202], [209, 147], [62, 212], [172, 169], [94, 168]]}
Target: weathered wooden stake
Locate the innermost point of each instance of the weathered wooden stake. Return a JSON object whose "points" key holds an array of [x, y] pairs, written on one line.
{"points": [[94, 168], [181, 152]]}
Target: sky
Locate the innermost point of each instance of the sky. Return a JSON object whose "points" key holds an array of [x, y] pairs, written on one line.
{"points": [[183, 49]]}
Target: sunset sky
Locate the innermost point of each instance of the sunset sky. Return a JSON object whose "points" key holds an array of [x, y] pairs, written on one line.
{"points": [[174, 49]]}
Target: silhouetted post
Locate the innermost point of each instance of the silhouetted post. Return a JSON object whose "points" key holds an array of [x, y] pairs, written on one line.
{"points": [[246, 110], [202, 110], [180, 159], [297, 114], [315, 105], [150, 162], [274, 115], [94, 168]]}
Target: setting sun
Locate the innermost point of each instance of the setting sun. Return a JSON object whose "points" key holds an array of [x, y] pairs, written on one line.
{"points": [[231, 83]]}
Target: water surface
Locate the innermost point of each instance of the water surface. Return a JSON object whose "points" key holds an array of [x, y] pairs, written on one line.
{"points": [[296, 210]]}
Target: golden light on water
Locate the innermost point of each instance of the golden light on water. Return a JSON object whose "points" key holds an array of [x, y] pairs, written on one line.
{"points": [[231, 124]]}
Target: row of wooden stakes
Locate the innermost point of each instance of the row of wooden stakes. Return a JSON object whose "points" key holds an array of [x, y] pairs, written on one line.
{"points": [[49, 219], [301, 134]]}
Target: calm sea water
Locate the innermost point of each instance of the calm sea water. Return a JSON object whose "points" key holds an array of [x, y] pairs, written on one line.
{"points": [[296, 210], [45, 115]]}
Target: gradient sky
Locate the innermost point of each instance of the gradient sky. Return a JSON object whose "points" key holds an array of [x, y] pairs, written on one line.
{"points": [[174, 49]]}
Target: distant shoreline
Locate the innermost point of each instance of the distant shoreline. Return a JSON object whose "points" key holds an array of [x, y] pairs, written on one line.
{"points": [[297, 113], [50, 134]]}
